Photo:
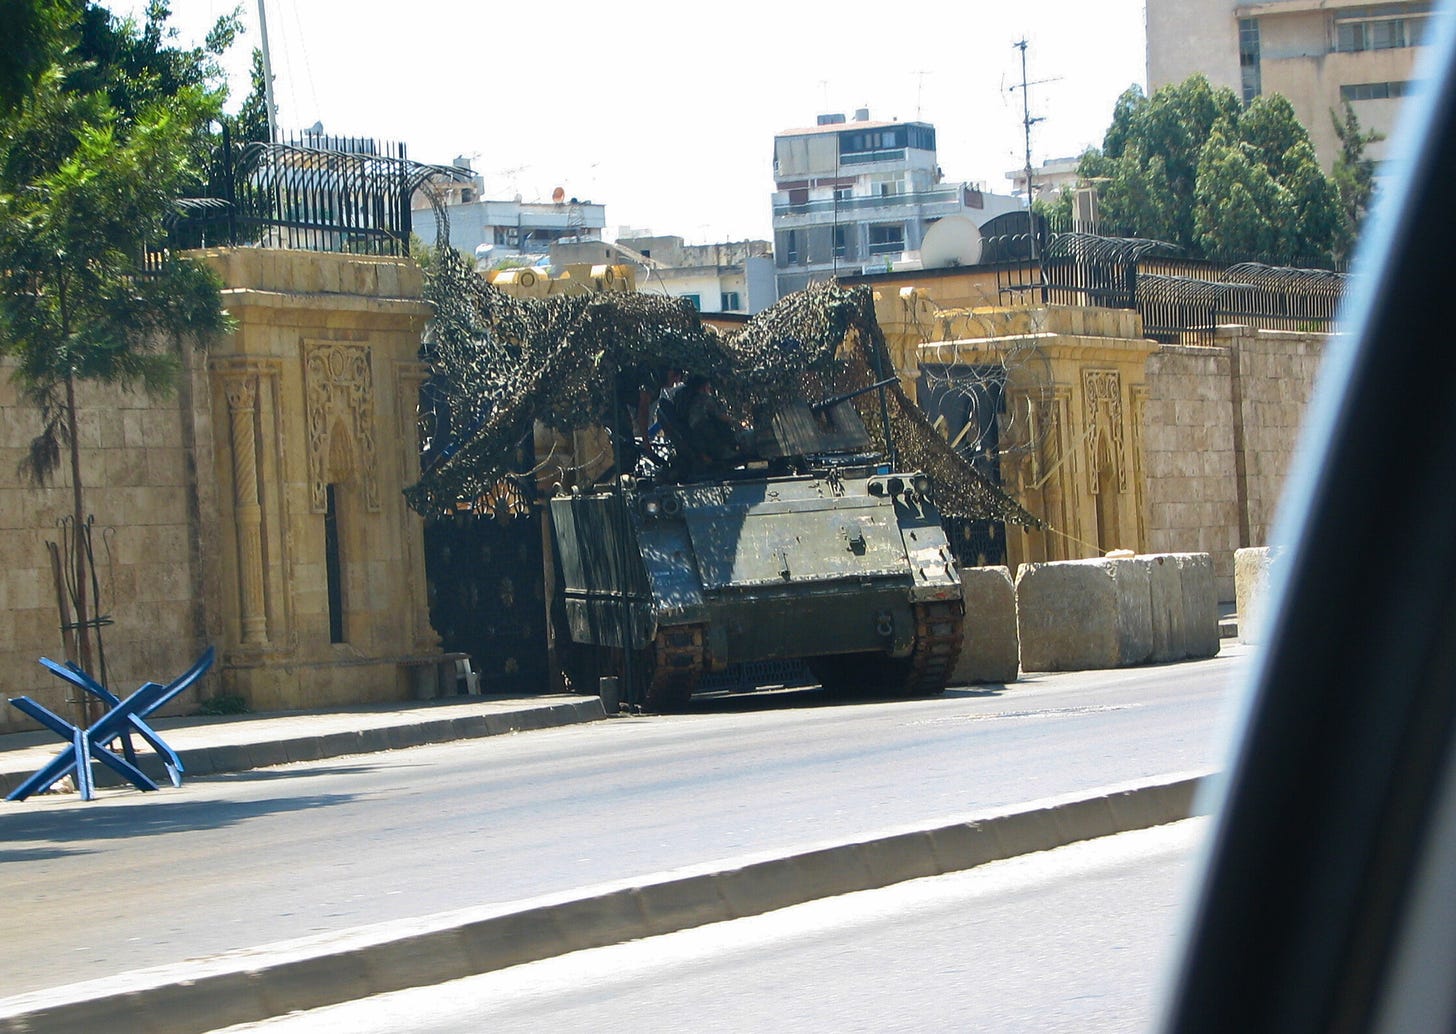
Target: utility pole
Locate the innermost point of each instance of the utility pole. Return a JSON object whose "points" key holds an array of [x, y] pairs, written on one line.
{"points": [[1026, 123], [267, 74]]}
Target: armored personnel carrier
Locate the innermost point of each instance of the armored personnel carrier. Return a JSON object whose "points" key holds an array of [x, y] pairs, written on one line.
{"points": [[810, 547]]}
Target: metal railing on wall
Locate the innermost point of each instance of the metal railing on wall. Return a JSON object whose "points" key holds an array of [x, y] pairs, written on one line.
{"points": [[1180, 299], [312, 193]]}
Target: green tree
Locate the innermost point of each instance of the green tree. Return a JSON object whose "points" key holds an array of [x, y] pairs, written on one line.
{"points": [[1193, 166], [86, 188], [34, 32], [1354, 173]]}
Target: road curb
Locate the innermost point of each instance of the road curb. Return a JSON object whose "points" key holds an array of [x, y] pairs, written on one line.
{"points": [[254, 985], [219, 759]]}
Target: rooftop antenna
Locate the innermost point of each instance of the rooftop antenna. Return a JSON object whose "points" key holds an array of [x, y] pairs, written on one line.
{"points": [[919, 90], [1027, 122], [268, 74]]}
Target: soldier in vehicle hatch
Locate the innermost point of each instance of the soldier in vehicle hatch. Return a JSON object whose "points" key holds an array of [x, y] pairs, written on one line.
{"points": [[714, 434]]}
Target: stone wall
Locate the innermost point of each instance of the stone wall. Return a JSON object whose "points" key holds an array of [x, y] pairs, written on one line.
{"points": [[1220, 428], [211, 505], [1277, 371], [139, 476], [1191, 466]]}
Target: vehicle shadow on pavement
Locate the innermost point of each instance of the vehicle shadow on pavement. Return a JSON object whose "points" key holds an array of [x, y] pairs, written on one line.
{"points": [[159, 815], [770, 699]]}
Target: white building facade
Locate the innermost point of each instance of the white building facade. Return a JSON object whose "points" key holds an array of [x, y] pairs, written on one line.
{"points": [[857, 196], [734, 277], [504, 232]]}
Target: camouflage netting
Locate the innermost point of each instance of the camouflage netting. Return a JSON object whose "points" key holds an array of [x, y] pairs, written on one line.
{"points": [[500, 364]]}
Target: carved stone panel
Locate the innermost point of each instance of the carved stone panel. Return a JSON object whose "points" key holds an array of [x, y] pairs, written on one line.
{"points": [[339, 393], [1102, 398]]}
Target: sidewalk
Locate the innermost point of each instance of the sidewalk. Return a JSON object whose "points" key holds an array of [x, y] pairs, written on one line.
{"points": [[237, 743]]}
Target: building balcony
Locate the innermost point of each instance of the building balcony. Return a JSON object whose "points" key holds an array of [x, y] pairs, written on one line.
{"points": [[849, 208]]}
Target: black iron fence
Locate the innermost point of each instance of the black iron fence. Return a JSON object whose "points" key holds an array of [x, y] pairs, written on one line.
{"points": [[1180, 299], [313, 193]]}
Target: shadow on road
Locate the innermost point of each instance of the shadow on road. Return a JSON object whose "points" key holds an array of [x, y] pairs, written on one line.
{"points": [[159, 815], [776, 699], [292, 771]]}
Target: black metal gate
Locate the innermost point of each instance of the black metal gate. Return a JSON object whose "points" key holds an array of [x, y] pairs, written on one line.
{"points": [[966, 402], [487, 594]]}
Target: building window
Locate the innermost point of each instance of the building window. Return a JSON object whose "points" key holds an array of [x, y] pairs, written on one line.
{"points": [[1249, 58], [731, 301], [793, 247], [799, 196], [695, 300], [885, 240], [1380, 27], [510, 236], [840, 248], [1374, 91], [843, 193]]}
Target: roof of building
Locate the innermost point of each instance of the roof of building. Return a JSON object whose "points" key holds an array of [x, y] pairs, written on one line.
{"points": [[843, 127]]}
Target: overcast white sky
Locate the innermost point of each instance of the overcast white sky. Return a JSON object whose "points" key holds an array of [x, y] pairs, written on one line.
{"points": [[665, 112]]}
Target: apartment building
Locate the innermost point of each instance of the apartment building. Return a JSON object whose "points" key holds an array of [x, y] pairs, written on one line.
{"points": [[732, 277], [1317, 53], [854, 196], [510, 231]]}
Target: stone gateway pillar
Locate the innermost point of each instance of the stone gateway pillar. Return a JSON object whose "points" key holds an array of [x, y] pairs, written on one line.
{"points": [[322, 563]]}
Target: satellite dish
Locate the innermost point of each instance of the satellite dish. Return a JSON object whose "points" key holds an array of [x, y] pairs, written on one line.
{"points": [[952, 241], [558, 195]]}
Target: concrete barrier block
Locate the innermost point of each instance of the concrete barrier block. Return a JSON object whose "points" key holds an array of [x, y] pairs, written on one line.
{"points": [[1133, 579], [1184, 605], [991, 650], [1251, 584], [1200, 604], [1078, 615], [1167, 617], [1113, 612]]}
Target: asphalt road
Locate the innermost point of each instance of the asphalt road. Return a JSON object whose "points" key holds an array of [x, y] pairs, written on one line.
{"points": [[1075, 940], [128, 881]]}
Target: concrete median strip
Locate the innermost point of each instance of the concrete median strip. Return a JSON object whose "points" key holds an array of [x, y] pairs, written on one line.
{"points": [[255, 984]]}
